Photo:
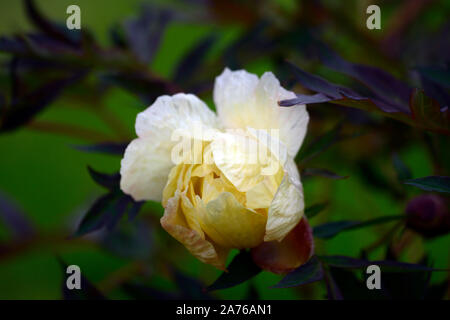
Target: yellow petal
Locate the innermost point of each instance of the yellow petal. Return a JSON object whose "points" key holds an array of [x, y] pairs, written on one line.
{"points": [[261, 195], [231, 225], [175, 224]]}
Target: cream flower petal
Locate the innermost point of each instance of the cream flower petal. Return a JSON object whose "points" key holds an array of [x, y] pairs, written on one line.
{"points": [[175, 224], [148, 159], [244, 101], [144, 169], [234, 90], [288, 205]]}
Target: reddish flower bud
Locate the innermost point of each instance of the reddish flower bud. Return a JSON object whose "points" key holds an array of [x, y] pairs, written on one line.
{"points": [[428, 215]]}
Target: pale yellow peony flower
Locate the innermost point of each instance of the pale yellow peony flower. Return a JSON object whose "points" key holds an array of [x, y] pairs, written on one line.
{"points": [[238, 186]]}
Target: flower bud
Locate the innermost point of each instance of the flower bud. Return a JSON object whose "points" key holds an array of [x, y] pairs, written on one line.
{"points": [[428, 215]]}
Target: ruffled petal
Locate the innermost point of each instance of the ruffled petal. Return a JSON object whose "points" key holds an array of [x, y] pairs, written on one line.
{"points": [[293, 251], [231, 225], [175, 224], [243, 159], [243, 101], [164, 126], [234, 90], [144, 169], [287, 206]]}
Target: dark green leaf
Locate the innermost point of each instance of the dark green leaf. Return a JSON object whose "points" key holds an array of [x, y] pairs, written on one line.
{"points": [[241, 269], [431, 183], [311, 271], [315, 209], [331, 229]]}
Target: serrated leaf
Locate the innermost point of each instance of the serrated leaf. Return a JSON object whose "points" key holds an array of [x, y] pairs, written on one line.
{"points": [[311, 271], [315, 209], [431, 183], [241, 269], [331, 229]]}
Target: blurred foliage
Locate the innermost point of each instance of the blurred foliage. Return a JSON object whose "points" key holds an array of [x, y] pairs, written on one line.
{"points": [[378, 137]]}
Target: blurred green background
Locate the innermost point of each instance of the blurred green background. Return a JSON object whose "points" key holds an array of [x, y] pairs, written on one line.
{"points": [[49, 180]]}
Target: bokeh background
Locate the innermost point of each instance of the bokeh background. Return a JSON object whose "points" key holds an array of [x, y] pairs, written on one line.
{"points": [[45, 177]]}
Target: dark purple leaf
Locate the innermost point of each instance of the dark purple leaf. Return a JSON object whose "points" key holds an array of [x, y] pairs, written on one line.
{"points": [[15, 218], [134, 210], [316, 83], [241, 269], [305, 99], [310, 272], [12, 45], [24, 108], [61, 34], [109, 181], [114, 148], [431, 183], [347, 97], [379, 81], [105, 212]]}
